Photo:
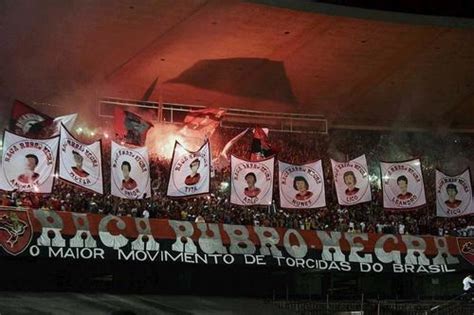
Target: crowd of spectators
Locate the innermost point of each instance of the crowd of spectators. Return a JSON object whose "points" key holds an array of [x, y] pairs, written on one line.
{"points": [[448, 152]]}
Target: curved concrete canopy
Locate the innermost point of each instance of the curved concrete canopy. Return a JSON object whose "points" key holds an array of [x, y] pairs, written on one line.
{"points": [[354, 66]]}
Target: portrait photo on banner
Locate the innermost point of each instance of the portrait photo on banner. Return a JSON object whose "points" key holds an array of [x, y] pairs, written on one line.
{"points": [[402, 184], [453, 194], [251, 182], [190, 171], [301, 186], [351, 180], [28, 164], [130, 172], [80, 163]]}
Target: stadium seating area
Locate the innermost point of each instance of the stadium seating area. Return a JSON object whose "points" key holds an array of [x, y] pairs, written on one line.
{"points": [[449, 153]]}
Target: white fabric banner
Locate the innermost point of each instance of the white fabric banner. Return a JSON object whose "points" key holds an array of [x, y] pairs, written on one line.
{"points": [[453, 194], [351, 180], [402, 184], [190, 171], [130, 172], [251, 182], [79, 163], [301, 186], [28, 164]]}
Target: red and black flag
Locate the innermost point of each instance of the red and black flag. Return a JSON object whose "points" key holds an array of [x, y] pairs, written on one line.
{"points": [[27, 121], [202, 122], [261, 147], [130, 127]]}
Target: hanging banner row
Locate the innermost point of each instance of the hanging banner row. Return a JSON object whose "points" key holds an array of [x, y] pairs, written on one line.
{"points": [[30, 165]]}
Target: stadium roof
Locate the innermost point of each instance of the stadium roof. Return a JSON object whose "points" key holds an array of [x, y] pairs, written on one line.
{"points": [[355, 66]]}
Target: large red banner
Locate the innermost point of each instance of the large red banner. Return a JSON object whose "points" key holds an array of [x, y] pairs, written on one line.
{"points": [[65, 235]]}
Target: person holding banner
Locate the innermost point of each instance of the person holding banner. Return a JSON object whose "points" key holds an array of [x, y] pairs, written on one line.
{"points": [[128, 183], [251, 190], [402, 182], [350, 181], [78, 159], [301, 185], [452, 202], [194, 177], [29, 175]]}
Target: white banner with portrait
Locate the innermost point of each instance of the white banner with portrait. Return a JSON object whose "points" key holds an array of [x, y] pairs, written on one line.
{"points": [[351, 180], [251, 182], [190, 171], [453, 194], [79, 163], [28, 164], [402, 184], [130, 172], [301, 186]]}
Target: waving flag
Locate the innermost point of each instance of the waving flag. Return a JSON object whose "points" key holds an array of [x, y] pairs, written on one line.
{"points": [[28, 164], [130, 127], [222, 160], [202, 123], [453, 194], [261, 148], [27, 121], [79, 163], [190, 171], [301, 186], [252, 182], [352, 181], [130, 172], [403, 186]]}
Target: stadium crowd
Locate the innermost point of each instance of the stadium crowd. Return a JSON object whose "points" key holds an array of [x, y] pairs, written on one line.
{"points": [[448, 152]]}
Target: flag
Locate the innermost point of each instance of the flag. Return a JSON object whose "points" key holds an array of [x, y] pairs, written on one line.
{"points": [[52, 127], [402, 185], [351, 180], [301, 186], [67, 120], [130, 172], [130, 127], [80, 163], [202, 123], [190, 171], [251, 182], [230, 144], [27, 121], [28, 164], [261, 147], [453, 194], [222, 160]]}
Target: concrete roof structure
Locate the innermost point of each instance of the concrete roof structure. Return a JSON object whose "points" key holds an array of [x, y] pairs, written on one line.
{"points": [[357, 67]]}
